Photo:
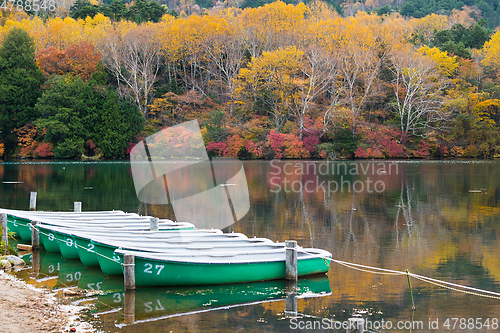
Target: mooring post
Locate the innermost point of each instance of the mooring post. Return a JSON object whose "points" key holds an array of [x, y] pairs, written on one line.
{"points": [[129, 307], [35, 264], [78, 207], [153, 224], [129, 271], [33, 201], [5, 235], [291, 260], [291, 299], [356, 325], [35, 238]]}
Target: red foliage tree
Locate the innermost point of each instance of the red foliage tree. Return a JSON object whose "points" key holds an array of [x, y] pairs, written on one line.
{"points": [[311, 139], [380, 142], [44, 150], [256, 149], [286, 146], [217, 148], [235, 144]]}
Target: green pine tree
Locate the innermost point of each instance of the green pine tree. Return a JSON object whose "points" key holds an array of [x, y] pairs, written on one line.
{"points": [[20, 84]]}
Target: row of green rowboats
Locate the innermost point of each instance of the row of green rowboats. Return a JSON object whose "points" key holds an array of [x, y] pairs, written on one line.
{"points": [[175, 255]]}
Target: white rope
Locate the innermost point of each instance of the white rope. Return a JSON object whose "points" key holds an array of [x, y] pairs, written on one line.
{"points": [[451, 286], [363, 268], [82, 247], [443, 284]]}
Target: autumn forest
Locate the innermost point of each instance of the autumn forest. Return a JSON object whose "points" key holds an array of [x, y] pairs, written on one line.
{"points": [[276, 81]]}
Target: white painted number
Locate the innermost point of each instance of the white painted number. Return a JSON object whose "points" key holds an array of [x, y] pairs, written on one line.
{"points": [[97, 286], [159, 307], [117, 297], [52, 268], [76, 276], [148, 306], [149, 268]]}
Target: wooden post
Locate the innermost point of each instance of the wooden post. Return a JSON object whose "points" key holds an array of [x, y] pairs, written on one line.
{"points": [[356, 325], [129, 271], [5, 235], [153, 224], [35, 264], [129, 307], [291, 299], [78, 207], [33, 201], [291, 260], [35, 238]]}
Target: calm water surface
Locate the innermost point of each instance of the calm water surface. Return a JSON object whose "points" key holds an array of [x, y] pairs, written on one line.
{"points": [[435, 218]]}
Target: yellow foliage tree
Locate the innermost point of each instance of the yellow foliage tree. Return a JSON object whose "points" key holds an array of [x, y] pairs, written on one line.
{"points": [[446, 65], [491, 52], [487, 111], [273, 26], [271, 83], [426, 26]]}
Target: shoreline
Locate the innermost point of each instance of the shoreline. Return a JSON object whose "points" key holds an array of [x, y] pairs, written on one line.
{"points": [[24, 308]]}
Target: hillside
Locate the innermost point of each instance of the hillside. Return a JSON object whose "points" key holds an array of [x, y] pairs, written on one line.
{"points": [[276, 81]]}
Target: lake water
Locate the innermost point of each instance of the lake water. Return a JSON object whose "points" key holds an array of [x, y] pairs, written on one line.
{"points": [[440, 219]]}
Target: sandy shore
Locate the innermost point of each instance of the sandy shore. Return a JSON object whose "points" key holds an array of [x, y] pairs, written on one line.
{"points": [[24, 308]]}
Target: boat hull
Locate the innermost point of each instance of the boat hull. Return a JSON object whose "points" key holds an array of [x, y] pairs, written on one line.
{"points": [[86, 251], [110, 263], [23, 228], [152, 272], [49, 240], [67, 245], [12, 225]]}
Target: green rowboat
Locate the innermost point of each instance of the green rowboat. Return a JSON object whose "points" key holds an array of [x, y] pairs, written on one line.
{"points": [[12, 225], [110, 262], [157, 269], [75, 243]]}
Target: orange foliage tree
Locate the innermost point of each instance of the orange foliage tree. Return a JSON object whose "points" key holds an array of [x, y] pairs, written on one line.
{"points": [[79, 59]]}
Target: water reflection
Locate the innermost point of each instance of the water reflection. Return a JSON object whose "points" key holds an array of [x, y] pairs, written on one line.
{"points": [[435, 218], [117, 308]]}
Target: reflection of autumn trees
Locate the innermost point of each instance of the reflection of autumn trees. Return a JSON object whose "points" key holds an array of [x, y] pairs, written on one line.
{"points": [[426, 221], [98, 187]]}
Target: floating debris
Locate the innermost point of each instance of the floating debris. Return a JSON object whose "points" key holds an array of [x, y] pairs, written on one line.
{"points": [[12, 182]]}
